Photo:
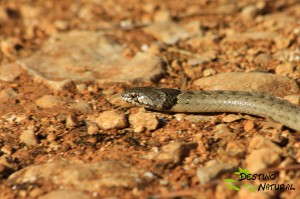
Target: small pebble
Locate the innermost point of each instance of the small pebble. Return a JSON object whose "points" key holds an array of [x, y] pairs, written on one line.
{"points": [[9, 72], [236, 149], [8, 95], [262, 58], [51, 137], [71, 122], [282, 42], [174, 152], [81, 106], [143, 121], [81, 88], [36, 192], [112, 120], [249, 12], [48, 101], [285, 69], [222, 131], [93, 128], [263, 158], [249, 125], [61, 24], [259, 141], [7, 149], [209, 72], [29, 138], [231, 118], [162, 16], [61, 118], [207, 173]]}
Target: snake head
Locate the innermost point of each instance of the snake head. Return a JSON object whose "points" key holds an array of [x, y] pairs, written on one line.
{"points": [[143, 96], [153, 98]]}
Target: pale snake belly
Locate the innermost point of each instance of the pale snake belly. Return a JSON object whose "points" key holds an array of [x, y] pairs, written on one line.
{"points": [[174, 100]]}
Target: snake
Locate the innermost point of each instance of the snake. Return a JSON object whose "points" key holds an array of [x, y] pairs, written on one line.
{"points": [[187, 101]]}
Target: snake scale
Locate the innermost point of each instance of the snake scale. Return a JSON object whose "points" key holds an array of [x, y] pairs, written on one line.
{"points": [[174, 100]]}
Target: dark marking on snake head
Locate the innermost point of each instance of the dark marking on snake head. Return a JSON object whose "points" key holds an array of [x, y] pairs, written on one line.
{"points": [[170, 99]]}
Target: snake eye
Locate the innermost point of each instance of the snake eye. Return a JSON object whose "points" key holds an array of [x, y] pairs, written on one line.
{"points": [[142, 99]]}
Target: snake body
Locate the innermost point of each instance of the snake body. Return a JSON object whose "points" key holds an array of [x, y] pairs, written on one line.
{"points": [[174, 100]]}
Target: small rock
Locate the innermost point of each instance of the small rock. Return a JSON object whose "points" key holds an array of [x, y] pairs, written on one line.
{"points": [[7, 149], [249, 13], [72, 122], [236, 149], [9, 72], [143, 121], [162, 16], [170, 153], [49, 101], [35, 192], [287, 55], [61, 118], [92, 129], [61, 24], [8, 95], [51, 137], [249, 125], [29, 138], [9, 45], [262, 158], [259, 141], [282, 42], [231, 118], [222, 131], [285, 69], [81, 106], [194, 28], [285, 163], [13, 118], [175, 152], [262, 58], [195, 61], [263, 153], [206, 174], [7, 162], [81, 88], [267, 125], [112, 120], [209, 72]]}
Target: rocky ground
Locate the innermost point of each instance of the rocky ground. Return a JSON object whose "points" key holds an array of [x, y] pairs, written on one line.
{"points": [[65, 132]]}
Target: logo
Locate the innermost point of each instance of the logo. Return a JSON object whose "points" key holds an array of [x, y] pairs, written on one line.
{"points": [[244, 174]]}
